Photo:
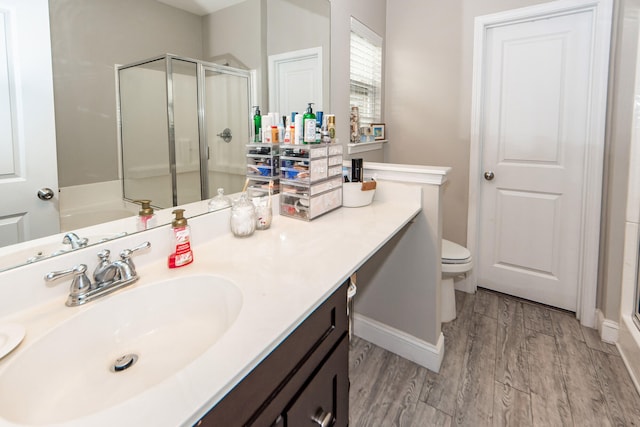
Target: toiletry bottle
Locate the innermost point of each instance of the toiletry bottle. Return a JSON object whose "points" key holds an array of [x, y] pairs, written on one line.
{"points": [[266, 129], [356, 170], [257, 125], [309, 125], [181, 241], [331, 126], [324, 132], [287, 135], [281, 129], [298, 130], [319, 122], [146, 218]]}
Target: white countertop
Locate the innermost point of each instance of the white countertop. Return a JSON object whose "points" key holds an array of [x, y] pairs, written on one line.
{"points": [[284, 273]]}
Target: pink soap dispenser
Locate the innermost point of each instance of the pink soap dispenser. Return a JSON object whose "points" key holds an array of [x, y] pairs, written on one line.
{"points": [[181, 241]]}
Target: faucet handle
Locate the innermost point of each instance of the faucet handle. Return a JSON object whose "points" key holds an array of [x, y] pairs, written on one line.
{"points": [[127, 253], [80, 284]]}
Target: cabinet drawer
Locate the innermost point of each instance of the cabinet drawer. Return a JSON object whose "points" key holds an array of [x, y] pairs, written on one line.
{"points": [[325, 396], [264, 393]]}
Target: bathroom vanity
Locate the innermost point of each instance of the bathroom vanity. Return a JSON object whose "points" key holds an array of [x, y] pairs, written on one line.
{"points": [[280, 354], [305, 378]]}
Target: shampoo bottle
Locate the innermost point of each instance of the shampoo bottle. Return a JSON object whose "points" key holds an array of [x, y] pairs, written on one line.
{"points": [[181, 241], [146, 218], [309, 123]]}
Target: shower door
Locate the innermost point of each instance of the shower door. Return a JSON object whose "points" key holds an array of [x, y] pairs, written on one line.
{"points": [[227, 94], [184, 125], [144, 132]]}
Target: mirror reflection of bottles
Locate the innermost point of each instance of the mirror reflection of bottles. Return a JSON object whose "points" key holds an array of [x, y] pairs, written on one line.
{"points": [[257, 125], [355, 125], [146, 218]]}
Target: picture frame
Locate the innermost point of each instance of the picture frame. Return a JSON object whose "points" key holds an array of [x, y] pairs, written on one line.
{"points": [[378, 131]]}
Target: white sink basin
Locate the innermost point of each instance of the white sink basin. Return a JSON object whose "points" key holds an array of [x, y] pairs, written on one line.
{"points": [[68, 373]]}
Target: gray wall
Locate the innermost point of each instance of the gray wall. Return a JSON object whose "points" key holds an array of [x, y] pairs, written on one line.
{"points": [[622, 75], [87, 39], [429, 58]]}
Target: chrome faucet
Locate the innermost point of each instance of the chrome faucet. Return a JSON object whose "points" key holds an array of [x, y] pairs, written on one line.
{"points": [[108, 276]]}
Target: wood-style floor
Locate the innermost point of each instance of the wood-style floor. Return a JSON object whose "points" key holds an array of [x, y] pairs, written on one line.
{"points": [[507, 362]]}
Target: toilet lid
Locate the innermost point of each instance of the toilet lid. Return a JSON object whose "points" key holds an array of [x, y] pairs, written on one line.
{"points": [[453, 253]]}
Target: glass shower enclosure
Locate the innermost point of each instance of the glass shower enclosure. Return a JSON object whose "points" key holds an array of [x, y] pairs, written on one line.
{"points": [[183, 125]]}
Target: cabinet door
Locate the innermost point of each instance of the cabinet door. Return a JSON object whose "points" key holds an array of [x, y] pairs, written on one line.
{"points": [[324, 399]]}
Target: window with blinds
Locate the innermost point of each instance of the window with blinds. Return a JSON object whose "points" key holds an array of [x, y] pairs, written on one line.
{"points": [[366, 72]]}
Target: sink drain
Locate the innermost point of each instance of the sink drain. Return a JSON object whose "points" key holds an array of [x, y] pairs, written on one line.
{"points": [[124, 362]]}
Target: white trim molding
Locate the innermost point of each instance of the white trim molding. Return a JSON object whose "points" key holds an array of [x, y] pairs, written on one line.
{"points": [[421, 352], [594, 157], [607, 328], [417, 174]]}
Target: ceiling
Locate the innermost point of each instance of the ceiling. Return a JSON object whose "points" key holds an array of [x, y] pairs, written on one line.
{"points": [[201, 7]]}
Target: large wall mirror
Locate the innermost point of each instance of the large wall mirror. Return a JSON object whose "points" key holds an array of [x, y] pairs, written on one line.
{"points": [[90, 38]]}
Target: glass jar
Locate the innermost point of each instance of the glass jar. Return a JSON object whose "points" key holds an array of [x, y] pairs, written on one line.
{"points": [[264, 212], [243, 217]]}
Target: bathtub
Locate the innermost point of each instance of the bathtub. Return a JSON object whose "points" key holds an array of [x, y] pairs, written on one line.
{"points": [[93, 215]]}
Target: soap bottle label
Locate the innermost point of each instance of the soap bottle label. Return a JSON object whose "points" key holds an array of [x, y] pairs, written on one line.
{"points": [[183, 254], [310, 130]]}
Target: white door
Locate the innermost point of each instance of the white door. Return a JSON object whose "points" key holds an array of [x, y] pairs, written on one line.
{"points": [[534, 133], [27, 123], [295, 79]]}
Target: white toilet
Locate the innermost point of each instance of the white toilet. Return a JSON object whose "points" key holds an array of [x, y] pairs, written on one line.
{"points": [[456, 260]]}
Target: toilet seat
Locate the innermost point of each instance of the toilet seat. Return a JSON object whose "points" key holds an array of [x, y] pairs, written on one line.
{"points": [[453, 253]]}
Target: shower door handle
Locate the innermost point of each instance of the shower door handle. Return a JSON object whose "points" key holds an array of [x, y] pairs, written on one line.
{"points": [[226, 135]]}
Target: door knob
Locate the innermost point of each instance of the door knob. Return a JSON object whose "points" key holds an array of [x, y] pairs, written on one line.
{"points": [[489, 175], [45, 194]]}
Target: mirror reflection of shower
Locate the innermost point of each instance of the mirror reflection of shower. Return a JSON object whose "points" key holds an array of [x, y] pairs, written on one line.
{"points": [[174, 115]]}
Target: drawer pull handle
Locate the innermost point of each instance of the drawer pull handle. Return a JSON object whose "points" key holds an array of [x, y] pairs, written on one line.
{"points": [[322, 418]]}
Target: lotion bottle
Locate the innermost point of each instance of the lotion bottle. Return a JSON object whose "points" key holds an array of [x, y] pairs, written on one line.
{"points": [[180, 241]]}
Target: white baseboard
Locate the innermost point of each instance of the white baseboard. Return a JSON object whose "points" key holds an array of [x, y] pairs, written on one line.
{"points": [[421, 352], [608, 329]]}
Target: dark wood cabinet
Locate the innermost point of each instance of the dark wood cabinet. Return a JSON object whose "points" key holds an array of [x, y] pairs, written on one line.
{"points": [[303, 382]]}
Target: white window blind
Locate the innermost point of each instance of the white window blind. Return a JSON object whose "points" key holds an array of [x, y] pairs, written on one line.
{"points": [[366, 72]]}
